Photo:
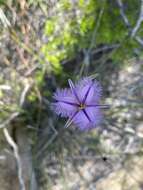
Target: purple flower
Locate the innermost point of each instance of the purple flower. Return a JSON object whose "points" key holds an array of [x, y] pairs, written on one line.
{"points": [[80, 103]]}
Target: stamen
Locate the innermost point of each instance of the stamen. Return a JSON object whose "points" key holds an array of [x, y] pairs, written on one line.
{"points": [[81, 106], [73, 89], [100, 106], [70, 120]]}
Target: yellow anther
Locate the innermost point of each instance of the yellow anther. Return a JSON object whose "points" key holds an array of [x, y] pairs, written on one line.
{"points": [[81, 106]]}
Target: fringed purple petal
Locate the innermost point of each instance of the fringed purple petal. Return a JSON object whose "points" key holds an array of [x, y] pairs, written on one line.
{"points": [[97, 93], [94, 114], [65, 104], [64, 94], [81, 120], [88, 118], [88, 90]]}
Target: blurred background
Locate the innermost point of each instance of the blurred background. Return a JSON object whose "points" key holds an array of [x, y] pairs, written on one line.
{"points": [[43, 43]]}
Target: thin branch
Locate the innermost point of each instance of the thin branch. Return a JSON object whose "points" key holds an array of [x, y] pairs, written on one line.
{"points": [[96, 29], [31, 70], [124, 17], [139, 21], [105, 48], [17, 157], [10, 119], [139, 40], [87, 52], [4, 19], [24, 94], [127, 23]]}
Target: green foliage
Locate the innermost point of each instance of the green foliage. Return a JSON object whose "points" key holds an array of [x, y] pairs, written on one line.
{"points": [[76, 24], [67, 33], [2, 2]]}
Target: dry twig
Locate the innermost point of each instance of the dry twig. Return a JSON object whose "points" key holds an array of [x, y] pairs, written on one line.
{"points": [[17, 157], [11, 118]]}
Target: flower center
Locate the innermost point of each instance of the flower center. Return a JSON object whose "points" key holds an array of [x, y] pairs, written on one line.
{"points": [[81, 107]]}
